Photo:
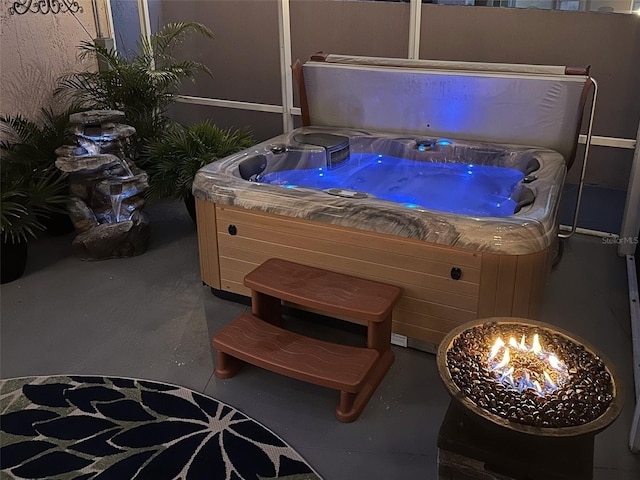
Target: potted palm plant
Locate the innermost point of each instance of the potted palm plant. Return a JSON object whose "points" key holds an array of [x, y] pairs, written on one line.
{"points": [[142, 85], [174, 159], [31, 190]]}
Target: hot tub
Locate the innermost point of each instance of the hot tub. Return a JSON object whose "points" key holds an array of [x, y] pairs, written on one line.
{"points": [[467, 229]]}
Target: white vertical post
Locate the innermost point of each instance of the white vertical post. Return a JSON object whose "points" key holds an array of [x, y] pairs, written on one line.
{"points": [[111, 29], [631, 218], [414, 29], [286, 76], [143, 15], [631, 2]]}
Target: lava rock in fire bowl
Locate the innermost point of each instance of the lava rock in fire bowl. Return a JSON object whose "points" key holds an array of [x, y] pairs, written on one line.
{"points": [[529, 376]]}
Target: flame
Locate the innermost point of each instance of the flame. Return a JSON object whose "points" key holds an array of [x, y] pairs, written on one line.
{"points": [[505, 360], [536, 347], [496, 347], [522, 367], [555, 363]]}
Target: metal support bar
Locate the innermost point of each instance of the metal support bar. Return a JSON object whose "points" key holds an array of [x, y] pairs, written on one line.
{"points": [[634, 306], [631, 217], [593, 233], [215, 102], [414, 29], [286, 76], [584, 162], [627, 143]]}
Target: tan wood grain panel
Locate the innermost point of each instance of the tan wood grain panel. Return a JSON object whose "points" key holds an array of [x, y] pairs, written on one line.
{"points": [[330, 257], [488, 285], [208, 243], [424, 320], [524, 284], [231, 275], [241, 268], [234, 287], [540, 278], [506, 285], [363, 252], [350, 236], [435, 309], [421, 325], [377, 273], [432, 302], [417, 332]]}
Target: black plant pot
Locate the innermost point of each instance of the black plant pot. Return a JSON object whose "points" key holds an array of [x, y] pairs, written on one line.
{"points": [[14, 260], [190, 203]]}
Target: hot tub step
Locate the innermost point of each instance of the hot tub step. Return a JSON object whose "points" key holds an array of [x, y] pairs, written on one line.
{"points": [[327, 364], [355, 371], [330, 292], [259, 340]]}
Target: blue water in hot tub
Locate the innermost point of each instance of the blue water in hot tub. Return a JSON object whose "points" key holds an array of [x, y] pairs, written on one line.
{"points": [[479, 190]]}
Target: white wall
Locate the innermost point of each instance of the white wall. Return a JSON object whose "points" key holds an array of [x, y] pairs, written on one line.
{"points": [[35, 49]]}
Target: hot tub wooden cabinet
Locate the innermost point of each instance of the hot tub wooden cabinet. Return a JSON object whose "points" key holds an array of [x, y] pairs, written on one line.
{"points": [[453, 265], [233, 241]]}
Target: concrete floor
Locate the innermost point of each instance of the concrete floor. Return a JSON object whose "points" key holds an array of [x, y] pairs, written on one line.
{"points": [[151, 317]]}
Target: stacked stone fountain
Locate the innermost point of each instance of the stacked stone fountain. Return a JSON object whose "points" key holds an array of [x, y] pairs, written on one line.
{"points": [[106, 188]]}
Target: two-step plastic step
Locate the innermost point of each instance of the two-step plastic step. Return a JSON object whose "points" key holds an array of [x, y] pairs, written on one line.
{"points": [[258, 338]]}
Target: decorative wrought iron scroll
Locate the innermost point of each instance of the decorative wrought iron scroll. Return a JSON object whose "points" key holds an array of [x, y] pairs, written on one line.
{"points": [[44, 6]]}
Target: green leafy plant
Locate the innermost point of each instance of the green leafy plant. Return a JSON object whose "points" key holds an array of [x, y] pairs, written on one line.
{"points": [[142, 86], [31, 187], [175, 158]]}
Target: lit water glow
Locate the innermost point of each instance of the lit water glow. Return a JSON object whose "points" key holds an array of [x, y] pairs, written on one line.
{"points": [[116, 205], [479, 190], [521, 367], [89, 145]]}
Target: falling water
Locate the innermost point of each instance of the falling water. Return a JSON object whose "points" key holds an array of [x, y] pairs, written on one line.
{"points": [[89, 145], [92, 145], [115, 192], [126, 167]]}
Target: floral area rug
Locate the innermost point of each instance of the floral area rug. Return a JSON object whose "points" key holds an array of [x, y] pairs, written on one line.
{"points": [[80, 428]]}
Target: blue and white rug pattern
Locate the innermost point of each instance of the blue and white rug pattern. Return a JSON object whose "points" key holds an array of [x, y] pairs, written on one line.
{"points": [[102, 428]]}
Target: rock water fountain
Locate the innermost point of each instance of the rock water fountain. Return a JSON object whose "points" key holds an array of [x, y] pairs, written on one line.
{"points": [[106, 188]]}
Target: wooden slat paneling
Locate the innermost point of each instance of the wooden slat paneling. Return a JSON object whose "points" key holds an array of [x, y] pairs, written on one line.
{"points": [[419, 333], [208, 243], [425, 321], [364, 252], [351, 237], [413, 284], [412, 304], [523, 284], [432, 303], [488, 285], [506, 285], [330, 257], [539, 280]]}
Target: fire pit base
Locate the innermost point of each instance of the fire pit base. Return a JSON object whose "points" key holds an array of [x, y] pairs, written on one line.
{"points": [[472, 448]]}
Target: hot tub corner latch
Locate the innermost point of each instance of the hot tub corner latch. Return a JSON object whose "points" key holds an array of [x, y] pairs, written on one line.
{"points": [[456, 273], [233, 230]]}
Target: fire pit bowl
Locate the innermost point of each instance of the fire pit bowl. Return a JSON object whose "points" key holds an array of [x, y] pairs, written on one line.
{"points": [[530, 377]]}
